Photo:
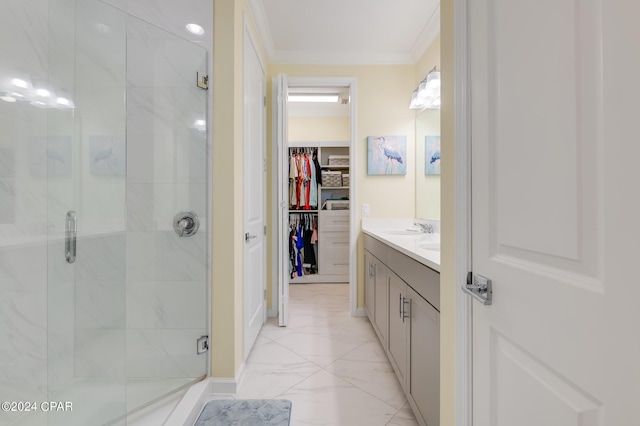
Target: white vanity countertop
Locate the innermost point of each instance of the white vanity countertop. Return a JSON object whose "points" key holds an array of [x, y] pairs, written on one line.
{"points": [[401, 234]]}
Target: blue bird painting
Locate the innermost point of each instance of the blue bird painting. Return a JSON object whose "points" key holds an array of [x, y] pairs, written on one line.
{"points": [[435, 157], [432, 155], [387, 155]]}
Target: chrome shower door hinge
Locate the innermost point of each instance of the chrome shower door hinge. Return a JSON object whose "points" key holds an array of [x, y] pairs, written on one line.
{"points": [[202, 344], [203, 80]]}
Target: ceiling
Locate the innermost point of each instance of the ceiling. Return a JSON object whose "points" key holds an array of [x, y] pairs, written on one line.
{"points": [[346, 31]]}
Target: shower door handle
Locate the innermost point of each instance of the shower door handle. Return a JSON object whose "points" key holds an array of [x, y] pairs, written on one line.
{"points": [[70, 233]]}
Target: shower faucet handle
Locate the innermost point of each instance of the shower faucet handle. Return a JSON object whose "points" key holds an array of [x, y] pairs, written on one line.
{"points": [[186, 223]]}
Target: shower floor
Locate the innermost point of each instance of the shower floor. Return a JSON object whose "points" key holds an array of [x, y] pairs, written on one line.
{"points": [[100, 401]]}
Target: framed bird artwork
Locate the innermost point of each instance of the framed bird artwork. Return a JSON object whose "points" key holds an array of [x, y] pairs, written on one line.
{"points": [[432, 155], [387, 155]]}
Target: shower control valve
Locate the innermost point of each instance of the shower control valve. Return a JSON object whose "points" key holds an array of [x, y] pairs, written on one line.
{"points": [[186, 223]]}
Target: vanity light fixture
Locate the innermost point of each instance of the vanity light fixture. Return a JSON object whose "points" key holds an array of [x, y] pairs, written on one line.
{"points": [[427, 95], [18, 82], [8, 98]]}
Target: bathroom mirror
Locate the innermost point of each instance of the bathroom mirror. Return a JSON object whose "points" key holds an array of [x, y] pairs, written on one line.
{"points": [[427, 163]]}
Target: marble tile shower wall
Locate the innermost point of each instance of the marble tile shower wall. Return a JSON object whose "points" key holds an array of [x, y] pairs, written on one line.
{"points": [[23, 200], [166, 173], [135, 300], [100, 63]]}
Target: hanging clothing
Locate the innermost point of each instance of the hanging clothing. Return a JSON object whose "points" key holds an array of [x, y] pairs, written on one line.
{"points": [[303, 178]]}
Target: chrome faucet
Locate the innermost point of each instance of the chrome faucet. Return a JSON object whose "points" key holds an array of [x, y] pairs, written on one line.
{"points": [[425, 227]]}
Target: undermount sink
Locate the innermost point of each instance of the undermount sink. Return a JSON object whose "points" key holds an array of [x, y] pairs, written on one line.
{"points": [[429, 246]]}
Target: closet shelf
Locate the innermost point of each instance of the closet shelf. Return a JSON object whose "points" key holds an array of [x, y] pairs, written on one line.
{"points": [[334, 187], [326, 166], [303, 211]]}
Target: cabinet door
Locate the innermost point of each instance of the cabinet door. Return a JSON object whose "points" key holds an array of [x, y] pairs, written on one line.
{"points": [[397, 327], [423, 382], [381, 300], [369, 287]]}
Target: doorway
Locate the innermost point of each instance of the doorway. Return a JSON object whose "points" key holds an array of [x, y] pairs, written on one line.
{"points": [[314, 124]]}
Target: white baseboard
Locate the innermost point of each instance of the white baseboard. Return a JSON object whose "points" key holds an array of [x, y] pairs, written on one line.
{"points": [[360, 312], [272, 313], [191, 404]]}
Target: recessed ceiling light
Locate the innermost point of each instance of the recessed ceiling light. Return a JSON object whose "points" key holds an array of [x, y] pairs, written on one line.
{"points": [[195, 29], [318, 97]]}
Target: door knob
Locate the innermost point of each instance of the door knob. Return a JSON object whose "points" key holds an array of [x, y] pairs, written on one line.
{"points": [[248, 236]]}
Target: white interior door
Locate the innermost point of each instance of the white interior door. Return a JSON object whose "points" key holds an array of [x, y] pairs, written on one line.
{"points": [[254, 195], [554, 92], [282, 124]]}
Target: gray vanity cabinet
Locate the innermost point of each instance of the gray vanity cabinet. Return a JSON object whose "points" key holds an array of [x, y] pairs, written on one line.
{"points": [[376, 287], [423, 381], [398, 327], [402, 299]]}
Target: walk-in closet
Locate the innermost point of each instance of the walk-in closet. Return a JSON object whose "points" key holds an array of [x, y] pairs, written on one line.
{"points": [[315, 182]]}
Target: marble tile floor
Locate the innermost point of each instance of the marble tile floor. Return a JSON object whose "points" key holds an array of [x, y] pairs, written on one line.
{"points": [[100, 401], [329, 364]]}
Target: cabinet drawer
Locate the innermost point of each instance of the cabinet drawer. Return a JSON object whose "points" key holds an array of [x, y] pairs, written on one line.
{"points": [[333, 240], [334, 262], [422, 279], [334, 221], [376, 248]]}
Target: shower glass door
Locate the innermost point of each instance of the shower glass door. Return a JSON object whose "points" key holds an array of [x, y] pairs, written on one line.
{"points": [[119, 164], [85, 160]]}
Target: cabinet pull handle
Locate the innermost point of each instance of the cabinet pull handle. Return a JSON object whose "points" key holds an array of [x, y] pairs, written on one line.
{"points": [[400, 305], [404, 311]]}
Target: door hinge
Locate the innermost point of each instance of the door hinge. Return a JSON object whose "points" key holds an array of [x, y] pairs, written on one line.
{"points": [[265, 101], [202, 344], [265, 230], [479, 288], [265, 294], [202, 80]]}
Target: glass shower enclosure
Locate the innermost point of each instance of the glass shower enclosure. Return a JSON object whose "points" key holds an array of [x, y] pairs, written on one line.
{"points": [[103, 222]]}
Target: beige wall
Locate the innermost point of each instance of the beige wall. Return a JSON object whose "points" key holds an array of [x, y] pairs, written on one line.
{"points": [[427, 123], [383, 94], [447, 267], [429, 59], [315, 129], [227, 217]]}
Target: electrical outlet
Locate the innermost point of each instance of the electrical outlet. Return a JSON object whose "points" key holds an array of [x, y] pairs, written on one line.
{"points": [[365, 210]]}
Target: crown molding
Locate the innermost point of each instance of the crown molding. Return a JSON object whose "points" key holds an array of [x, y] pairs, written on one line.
{"points": [[273, 56], [256, 10], [340, 58], [427, 36]]}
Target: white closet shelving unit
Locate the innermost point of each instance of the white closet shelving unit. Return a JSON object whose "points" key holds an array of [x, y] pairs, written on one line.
{"points": [[333, 224]]}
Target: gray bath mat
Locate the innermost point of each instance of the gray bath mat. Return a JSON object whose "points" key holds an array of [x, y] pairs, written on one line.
{"points": [[245, 412]]}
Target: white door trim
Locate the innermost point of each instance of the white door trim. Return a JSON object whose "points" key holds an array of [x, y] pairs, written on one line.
{"points": [[462, 189], [353, 170]]}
